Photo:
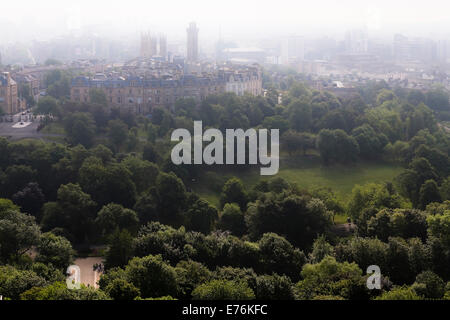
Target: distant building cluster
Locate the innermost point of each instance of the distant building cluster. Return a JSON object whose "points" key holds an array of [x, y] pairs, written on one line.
{"points": [[141, 89], [15, 81], [150, 47], [292, 50], [157, 80], [156, 47]]}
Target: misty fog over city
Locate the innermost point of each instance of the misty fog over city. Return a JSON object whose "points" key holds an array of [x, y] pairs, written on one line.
{"points": [[110, 30]]}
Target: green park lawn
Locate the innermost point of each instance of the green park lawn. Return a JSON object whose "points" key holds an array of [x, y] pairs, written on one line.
{"points": [[54, 128], [310, 173]]}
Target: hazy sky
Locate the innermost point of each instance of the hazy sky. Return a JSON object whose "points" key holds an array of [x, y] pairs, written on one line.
{"points": [[246, 18]]}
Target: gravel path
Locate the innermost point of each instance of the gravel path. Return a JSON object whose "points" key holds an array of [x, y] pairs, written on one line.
{"points": [[88, 276]]}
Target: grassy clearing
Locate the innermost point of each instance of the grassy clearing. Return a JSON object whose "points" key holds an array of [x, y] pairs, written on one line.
{"points": [[309, 173], [54, 128]]}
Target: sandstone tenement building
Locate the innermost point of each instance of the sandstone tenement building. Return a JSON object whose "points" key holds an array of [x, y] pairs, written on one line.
{"points": [[9, 100], [140, 95]]}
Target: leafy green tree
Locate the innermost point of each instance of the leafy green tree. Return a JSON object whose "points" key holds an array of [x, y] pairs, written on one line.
{"points": [[233, 192], [445, 189], [337, 146], [232, 219], [117, 132], [17, 177], [191, 274], [416, 97], [334, 120], [201, 216], [278, 255], [320, 249], [347, 146], [244, 254], [298, 90], [429, 192], [330, 199], [146, 207], [74, 211], [373, 195], [103, 153], [403, 223], [330, 277], [398, 266], [295, 141], [18, 234], [30, 199], [132, 139], [278, 185], [186, 107], [438, 99], [56, 250], [48, 272], [114, 216], [152, 276], [438, 159], [58, 83], [155, 238], [300, 115], [48, 105], [370, 143], [120, 289], [274, 287], [385, 95], [326, 145], [7, 205], [120, 250], [236, 274], [363, 251], [421, 118], [438, 208], [150, 153], [5, 152], [276, 122], [223, 290], [429, 285], [13, 281], [171, 195], [80, 128], [110, 275], [439, 250], [107, 184], [400, 293], [59, 291], [439, 227], [447, 291], [299, 218], [100, 113]]}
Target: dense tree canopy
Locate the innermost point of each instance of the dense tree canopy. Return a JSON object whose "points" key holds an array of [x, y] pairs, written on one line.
{"points": [[209, 232]]}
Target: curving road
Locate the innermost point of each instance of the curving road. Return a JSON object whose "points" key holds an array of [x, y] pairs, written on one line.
{"points": [[88, 276], [17, 131]]}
